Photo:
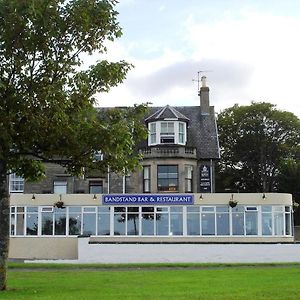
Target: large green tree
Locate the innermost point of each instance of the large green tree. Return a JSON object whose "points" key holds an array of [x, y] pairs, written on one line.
{"points": [[47, 96], [254, 140], [289, 182]]}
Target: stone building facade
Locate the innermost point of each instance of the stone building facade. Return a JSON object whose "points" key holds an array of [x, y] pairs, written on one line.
{"points": [[179, 156]]}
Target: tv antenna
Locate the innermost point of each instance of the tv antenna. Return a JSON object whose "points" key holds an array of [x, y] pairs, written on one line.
{"points": [[198, 80]]}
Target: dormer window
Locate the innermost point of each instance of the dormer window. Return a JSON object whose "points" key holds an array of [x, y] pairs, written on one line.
{"points": [[167, 132]]}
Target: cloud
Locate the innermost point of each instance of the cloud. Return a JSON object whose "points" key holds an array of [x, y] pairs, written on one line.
{"points": [[223, 73], [252, 56]]}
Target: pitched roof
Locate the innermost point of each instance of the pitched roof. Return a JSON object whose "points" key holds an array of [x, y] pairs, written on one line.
{"points": [[201, 133], [167, 112]]}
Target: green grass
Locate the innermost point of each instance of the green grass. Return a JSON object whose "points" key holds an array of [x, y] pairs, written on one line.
{"points": [[208, 282]]}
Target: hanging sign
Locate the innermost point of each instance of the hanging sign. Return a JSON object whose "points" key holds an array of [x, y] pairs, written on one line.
{"points": [[205, 179]]}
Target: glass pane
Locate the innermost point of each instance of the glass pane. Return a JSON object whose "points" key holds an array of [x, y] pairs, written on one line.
{"points": [[132, 224], [251, 223], [103, 209], [152, 127], [32, 224], [12, 224], [238, 208], [89, 224], [133, 209], [74, 224], [278, 208], [47, 224], [266, 208], [208, 208], [287, 224], [208, 224], [162, 224], [193, 208], [120, 209], [103, 224], [75, 209], [238, 224], [119, 224], [224, 208], [20, 224], [193, 224], [162, 209], [60, 188], [181, 127], [174, 209], [60, 224], [176, 224], [96, 189], [89, 209], [146, 172], [278, 224], [32, 209], [223, 224], [267, 223], [148, 209], [147, 224]]}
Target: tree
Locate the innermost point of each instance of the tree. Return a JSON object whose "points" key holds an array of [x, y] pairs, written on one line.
{"points": [[47, 97], [254, 139], [289, 182]]}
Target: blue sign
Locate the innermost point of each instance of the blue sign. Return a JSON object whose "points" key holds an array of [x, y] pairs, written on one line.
{"points": [[145, 199]]}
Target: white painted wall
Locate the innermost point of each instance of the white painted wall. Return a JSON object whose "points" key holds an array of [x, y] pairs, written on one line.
{"points": [[180, 253]]}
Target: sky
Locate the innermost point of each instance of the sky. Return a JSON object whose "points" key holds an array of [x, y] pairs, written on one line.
{"points": [[249, 50]]}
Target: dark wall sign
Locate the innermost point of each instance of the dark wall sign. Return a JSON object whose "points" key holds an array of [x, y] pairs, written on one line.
{"points": [[205, 179]]}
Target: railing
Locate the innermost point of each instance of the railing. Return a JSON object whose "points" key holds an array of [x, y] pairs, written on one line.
{"points": [[179, 151]]}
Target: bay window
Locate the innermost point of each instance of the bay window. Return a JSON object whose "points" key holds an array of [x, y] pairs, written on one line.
{"points": [[167, 132]]}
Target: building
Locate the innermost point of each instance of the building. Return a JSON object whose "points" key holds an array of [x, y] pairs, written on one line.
{"points": [[169, 200]]}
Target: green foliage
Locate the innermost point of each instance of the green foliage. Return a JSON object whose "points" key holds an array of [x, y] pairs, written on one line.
{"points": [[47, 98], [46, 101], [254, 140], [289, 182]]}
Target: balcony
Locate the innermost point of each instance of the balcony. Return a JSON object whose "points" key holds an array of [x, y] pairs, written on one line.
{"points": [[169, 152]]}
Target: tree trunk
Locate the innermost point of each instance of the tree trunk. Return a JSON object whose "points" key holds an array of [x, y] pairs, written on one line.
{"points": [[4, 225]]}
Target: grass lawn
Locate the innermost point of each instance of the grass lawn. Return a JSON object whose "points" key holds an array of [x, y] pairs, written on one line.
{"points": [[218, 282]]}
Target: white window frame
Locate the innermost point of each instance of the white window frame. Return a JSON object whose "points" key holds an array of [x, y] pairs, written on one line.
{"points": [[16, 181], [155, 134]]}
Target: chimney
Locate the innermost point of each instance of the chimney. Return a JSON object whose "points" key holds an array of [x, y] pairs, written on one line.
{"points": [[204, 97]]}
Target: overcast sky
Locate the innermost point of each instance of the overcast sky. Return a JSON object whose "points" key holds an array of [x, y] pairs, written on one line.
{"points": [[249, 48]]}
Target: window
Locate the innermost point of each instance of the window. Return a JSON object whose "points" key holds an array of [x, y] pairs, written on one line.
{"points": [[89, 220], [167, 133], [162, 132], [188, 179], [181, 133], [104, 220], [266, 220], [98, 156], [251, 220], [167, 178], [146, 179], [16, 183], [59, 187], [222, 218], [152, 133], [96, 187]]}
